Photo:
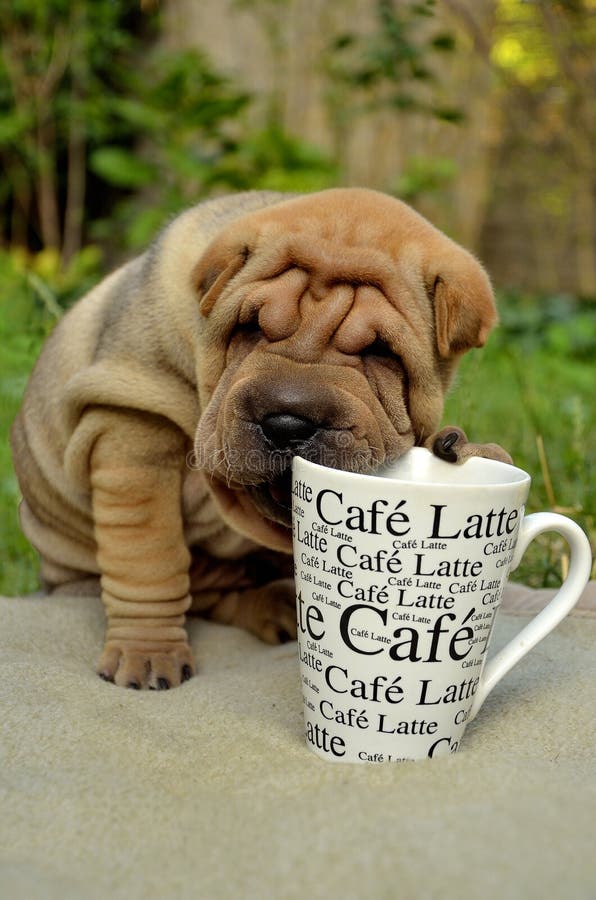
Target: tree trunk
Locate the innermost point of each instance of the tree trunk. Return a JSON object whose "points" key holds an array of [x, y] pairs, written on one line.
{"points": [[75, 187], [47, 197]]}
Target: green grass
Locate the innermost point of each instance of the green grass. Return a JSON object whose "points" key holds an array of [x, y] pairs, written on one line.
{"points": [[531, 389], [33, 293], [18, 573], [533, 382]]}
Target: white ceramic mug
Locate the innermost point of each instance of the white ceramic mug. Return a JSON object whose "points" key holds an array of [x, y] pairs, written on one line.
{"points": [[398, 578]]}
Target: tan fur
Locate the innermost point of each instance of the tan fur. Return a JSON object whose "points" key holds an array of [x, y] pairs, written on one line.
{"points": [[139, 443]]}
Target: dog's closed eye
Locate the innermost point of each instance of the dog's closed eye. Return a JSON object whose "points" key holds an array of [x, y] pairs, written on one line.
{"points": [[247, 329], [245, 334], [248, 323], [378, 350]]}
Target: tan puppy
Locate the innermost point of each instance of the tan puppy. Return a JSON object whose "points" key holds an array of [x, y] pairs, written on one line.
{"points": [[155, 441]]}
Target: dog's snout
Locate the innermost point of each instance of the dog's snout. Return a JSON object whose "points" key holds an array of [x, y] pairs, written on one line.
{"points": [[286, 430]]}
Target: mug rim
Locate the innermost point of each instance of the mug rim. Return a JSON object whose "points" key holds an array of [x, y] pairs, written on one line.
{"points": [[518, 476]]}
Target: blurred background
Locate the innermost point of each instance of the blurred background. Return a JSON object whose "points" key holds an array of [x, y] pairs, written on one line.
{"points": [[116, 114]]}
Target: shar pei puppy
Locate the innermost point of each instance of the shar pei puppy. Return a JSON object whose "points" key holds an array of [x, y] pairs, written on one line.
{"points": [[155, 440]]}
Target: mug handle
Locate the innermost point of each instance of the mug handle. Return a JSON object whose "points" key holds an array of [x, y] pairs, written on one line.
{"points": [[564, 600]]}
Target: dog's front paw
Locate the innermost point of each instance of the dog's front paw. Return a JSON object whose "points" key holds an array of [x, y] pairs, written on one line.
{"points": [[275, 618], [143, 664], [271, 611], [267, 611], [452, 445]]}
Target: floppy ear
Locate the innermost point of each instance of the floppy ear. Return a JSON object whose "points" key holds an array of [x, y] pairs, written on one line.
{"points": [[218, 265], [464, 305]]}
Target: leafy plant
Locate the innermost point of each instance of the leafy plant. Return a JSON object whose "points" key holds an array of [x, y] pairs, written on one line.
{"points": [[94, 118], [387, 68], [424, 175], [196, 142], [270, 159], [63, 65], [186, 114]]}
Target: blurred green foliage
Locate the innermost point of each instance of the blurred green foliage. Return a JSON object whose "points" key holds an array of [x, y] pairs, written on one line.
{"points": [[387, 67], [531, 389], [423, 175], [180, 172], [35, 289], [104, 134], [64, 69], [194, 143]]}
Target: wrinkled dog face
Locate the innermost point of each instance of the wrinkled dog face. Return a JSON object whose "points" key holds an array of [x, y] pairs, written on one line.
{"points": [[331, 326]]}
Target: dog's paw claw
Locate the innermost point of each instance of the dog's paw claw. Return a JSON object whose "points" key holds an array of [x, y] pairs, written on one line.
{"points": [[445, 444], [137, 665], [452, 445]]}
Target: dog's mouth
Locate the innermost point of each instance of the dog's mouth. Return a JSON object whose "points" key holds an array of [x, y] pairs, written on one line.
{"points": [[274, 498]]}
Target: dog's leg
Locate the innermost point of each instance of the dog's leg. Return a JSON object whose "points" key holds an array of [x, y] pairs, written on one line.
{"points": [[452, 445], [136, 471], [254, 593], [269, 611]]}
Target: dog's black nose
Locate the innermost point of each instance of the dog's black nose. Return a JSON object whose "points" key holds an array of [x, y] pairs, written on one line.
{"points": [[286, 430]]}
